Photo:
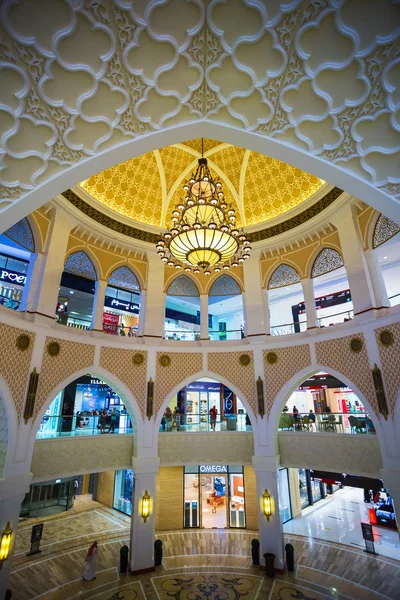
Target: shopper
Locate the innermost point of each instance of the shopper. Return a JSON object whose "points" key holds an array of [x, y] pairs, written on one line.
{"points": [[90, 572], [113, 421], [177, 418], [102, 420], [168, 418], [213, 417], [311, 420]]}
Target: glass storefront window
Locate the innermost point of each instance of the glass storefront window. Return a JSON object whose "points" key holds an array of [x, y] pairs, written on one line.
{"points": [[284, 496], [191, 500], [304, 500], [315, 490], [237, 516], [123, 491]]}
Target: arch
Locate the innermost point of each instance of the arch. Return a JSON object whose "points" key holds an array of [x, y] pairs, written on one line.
{"points": [[383, 231], [224, 285], [182, 285], [327, 260], [282, 276], [124, 277], [274, 147], [80, 263], [290, 386], [8, 428], [114, 382], [195, 377], [22, 234]]}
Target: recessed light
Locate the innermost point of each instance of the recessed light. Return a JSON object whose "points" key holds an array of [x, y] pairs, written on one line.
{"points": [[385, 258]]}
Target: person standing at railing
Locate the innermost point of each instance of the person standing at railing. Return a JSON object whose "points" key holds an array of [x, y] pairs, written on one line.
{"points": [[177, 418], [311, 420], [168, 418], [213, 417], [102, 420], [113, 421]]}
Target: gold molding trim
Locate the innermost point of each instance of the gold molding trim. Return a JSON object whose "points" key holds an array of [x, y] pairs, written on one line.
{"points": [[23, 342], [138, 359], [356, 345], [244, 360], [386, 338], [152, 238], [271, 358], [53, 348], [164, 360]]}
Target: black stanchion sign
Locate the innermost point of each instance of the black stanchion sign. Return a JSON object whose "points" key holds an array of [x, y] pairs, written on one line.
{"points": [[368, 536], [36, 536]]}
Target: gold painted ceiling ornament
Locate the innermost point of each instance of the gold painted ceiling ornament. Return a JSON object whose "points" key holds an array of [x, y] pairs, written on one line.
{"points": [[204, 233]]}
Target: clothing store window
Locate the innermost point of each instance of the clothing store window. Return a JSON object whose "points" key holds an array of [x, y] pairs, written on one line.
{"points": [[304, 499], [316, 490], [284, 496], [123, 490]]}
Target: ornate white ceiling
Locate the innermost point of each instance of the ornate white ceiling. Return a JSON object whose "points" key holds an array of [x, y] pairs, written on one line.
{"points": [[81, 77]]}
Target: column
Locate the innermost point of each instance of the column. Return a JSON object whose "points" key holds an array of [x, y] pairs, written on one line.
{"points": [[52, 265], [271, 532], [142, 533], [267, 313], [391, 481], [204, 334], [378, 283], [98, 305], [253, 297], [309, 301], [362, 290], [32, 282], [12, 493], [155, 302], [142, 313]]}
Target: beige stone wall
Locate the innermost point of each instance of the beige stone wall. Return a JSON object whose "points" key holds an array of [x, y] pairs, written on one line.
{"points": [[105, 488], [169, 488], [250, 498]]}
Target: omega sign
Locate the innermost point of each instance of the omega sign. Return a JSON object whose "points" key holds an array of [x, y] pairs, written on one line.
{"points": [[12, 277], [213, 469]]}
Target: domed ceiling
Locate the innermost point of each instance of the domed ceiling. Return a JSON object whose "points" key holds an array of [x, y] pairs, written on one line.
{"points": [[146, 188]]}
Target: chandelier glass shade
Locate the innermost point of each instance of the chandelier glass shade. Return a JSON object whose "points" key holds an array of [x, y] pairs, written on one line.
{"points": [[204, 233]]}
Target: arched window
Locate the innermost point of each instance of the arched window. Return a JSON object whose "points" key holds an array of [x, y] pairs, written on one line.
{"points": [[327, 260], [384, 230], [225, 308], [76, 295], [122, 303], [22, 234], [182, 310], [79, 263], [282, 276]]}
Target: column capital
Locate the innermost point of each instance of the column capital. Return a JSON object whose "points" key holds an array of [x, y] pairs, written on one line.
{"points": [[347, 213], [144, 464], [268, 464]]}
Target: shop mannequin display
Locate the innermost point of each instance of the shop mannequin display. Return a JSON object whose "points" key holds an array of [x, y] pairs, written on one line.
{"points": [[90, 572]]}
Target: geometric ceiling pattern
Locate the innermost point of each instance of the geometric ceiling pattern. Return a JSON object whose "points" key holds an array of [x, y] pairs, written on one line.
{"points": [[92, 75], [259, 187]]}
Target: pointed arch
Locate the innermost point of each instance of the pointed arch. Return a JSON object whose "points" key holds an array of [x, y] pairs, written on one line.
{"points": [[225, 285], [383, 231], [124, 277], [80, 263], [327, 260], [22, 233], [282, 276], [182, 285]]}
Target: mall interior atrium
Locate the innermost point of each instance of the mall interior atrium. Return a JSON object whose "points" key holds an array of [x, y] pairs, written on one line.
{"points": [[199, 292]]}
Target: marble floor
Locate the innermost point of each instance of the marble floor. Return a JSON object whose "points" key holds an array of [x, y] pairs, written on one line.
{"points": [[200, 565], [338, 518]]}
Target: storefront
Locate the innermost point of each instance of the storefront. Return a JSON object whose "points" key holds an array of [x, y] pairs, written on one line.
{"points": [[124, 484], [13, 273], [311, 489], [121, 312], [285, 506], [49, 497], [214, 496]]}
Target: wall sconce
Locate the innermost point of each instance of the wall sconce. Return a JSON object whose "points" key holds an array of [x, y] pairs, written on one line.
{"points": [[267, 504], [145, 506], [5, 544]]}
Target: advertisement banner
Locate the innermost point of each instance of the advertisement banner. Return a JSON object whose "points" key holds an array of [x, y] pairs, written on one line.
{"points": [[110, 323]]}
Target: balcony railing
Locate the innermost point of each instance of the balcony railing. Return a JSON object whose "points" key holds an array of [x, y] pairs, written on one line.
{"points": [[347, 315], [357, 423], [53, 426], [182, 335], [230, 334], [203, 423], [288, 328]]}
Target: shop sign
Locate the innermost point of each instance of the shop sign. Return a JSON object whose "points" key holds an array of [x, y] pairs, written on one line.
{"points": [[12, 277], [110, 323], [121, 305], [213, 469], [203, 386]]}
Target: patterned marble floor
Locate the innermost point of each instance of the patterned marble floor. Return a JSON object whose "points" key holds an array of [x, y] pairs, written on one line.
{"points": [[201, 565]]}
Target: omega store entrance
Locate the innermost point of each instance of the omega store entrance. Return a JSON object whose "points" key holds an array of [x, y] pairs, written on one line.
{"points": [[214, 497]]}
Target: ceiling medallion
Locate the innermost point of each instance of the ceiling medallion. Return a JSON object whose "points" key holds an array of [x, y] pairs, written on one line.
{"points": [[23, 342], [272, 358], [165, 360], [356, 345], [386, 338], [204, 232], [53, 348], [244, 359], [138, 359]]}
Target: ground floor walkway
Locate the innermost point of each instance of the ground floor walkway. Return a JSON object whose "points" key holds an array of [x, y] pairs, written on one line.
{"points": [[203, 564], [338, 518]]}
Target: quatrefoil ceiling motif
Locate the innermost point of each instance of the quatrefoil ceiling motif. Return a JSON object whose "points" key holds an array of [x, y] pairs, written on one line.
{"points": [[86, 77]]}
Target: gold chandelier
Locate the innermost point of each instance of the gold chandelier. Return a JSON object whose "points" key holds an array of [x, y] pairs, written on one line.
{"points": [[204, 232]]}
